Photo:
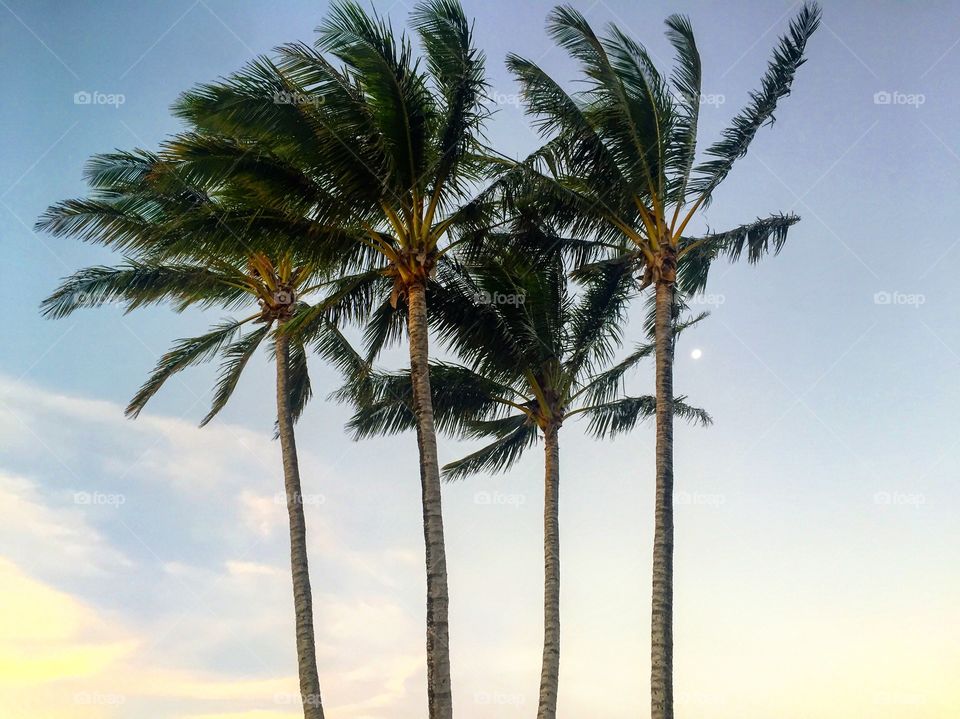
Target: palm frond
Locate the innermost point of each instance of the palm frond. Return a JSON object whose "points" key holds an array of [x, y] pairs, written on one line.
{"points": [[788, 56], [236, 356], [498, 455], [185, 352], [758, 238], [686, 80], [135, 284], [623, 415]]}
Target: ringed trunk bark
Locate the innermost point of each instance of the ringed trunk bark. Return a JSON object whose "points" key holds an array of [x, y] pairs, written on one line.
{"points": [[661, 626], [439, 699], [550, 672], [302, 599]]}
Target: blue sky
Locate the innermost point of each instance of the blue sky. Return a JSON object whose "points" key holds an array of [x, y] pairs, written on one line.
{"points": [[816, 539]]}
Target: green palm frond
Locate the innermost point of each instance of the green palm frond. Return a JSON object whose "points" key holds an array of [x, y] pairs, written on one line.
{"points": [[399, 100], [623, 415], [498, 455], [458, 71], [686, 80], [185, 353], [299, 388], [603, 387], [135, 284], [758, 238], [775, 85], [598, 317], [235, 359], [383, 401]]}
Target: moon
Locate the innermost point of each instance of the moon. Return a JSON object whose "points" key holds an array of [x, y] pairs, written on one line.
{"points": [[697, 354]]}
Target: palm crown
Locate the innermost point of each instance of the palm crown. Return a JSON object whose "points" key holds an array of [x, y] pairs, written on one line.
{"points": [[374, 159], [535, 353], [619, 165]]}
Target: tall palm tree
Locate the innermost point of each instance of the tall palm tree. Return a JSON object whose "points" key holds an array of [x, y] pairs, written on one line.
{"points": [[367, 157], [619, 167], [146, 204], [276, 289], [536, 356]]}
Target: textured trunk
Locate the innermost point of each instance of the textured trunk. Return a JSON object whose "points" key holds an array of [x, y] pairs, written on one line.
{"points": [[302, 600], [661, 627], [439, 698], [550, 673]]}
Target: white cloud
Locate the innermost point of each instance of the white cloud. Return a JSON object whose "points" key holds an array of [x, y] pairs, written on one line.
{"points": [[50, 532], [205, 634]]}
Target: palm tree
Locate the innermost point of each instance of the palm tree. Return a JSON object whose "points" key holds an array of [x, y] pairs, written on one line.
{"points": [[619, 168], [536, 356], [145, 204], [368, 163], [276, 289]]}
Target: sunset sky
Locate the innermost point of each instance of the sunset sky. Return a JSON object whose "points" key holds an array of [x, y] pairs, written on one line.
{"points": [[143, 564]]}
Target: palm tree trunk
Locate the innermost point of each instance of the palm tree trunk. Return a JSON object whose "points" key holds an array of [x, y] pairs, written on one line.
{"points": [[661, 628], [550, 673], [439, 698], [302, 600]]}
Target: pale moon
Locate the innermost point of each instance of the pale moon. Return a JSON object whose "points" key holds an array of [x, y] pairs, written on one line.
{"points": [[696, 354]]}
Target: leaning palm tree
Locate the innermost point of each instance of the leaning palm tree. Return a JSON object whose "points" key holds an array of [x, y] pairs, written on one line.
{"points": [[147, 205], [536, 356], [619, 167], [367, 156], [276, 290]]}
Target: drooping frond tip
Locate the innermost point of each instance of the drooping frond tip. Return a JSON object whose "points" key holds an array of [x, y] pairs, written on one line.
{"points": [[775, 85]]}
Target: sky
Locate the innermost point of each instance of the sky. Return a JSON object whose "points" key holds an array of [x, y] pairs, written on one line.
{"points": [[143, 564]]}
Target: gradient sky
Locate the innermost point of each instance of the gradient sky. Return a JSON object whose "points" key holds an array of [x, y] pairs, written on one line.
{"points": [[143, 564]]}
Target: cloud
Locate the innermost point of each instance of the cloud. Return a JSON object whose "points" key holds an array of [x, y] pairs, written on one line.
{"points": [[51, 532], [144, 572]]}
